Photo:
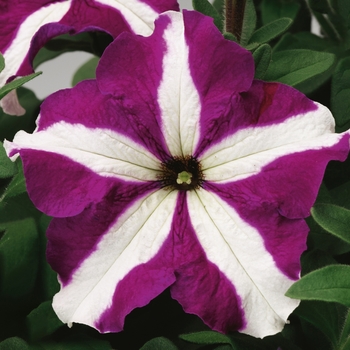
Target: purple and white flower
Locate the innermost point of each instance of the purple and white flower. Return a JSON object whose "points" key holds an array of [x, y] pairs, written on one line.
{"points": [[26, 26], [176, 169]]}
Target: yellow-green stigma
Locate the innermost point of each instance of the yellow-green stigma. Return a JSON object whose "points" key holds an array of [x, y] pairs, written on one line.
{"points": [[181, 173], [184, 176]]}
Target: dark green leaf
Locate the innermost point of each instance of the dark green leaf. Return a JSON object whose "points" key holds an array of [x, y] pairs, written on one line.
{"points": [[245, 342], [14, 343], [323, 6], [14, 84], [344, 10], [9, 124], [7, 167], [344, 341], [205, 7], [86, 71], [314, 260], [294, 67], [206, 337], [249, 22], [333, 219], [330, 283], [302, 40], [230, 36], [271, 30], [159, 343], [262, 58], [17, 184], [18, 246], [274, 9], [80, 342], [327, 317], [42, 321], [342, 194], [2, 63], [219, 6], [48, 277], [328, 28], [340, 101]]}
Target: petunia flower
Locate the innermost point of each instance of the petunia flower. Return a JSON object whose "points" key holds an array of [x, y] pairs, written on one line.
{"points": [[26, 26], [176, 169]]}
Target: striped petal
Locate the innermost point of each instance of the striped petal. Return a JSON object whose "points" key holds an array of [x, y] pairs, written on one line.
{"points": [[129, 238], [28, 26]]}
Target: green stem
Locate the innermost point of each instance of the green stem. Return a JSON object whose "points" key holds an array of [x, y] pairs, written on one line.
{"points": [[234, 15]]}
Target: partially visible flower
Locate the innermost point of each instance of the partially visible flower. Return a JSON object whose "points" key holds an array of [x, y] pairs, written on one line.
{"points": [[26, 26], [175, 169]]}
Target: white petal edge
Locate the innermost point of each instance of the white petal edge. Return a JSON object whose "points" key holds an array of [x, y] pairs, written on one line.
{"points": [[103, 151], [237, 249], [246, 152], [134, 239], [17, 51], [137, 14], [178, 97]]}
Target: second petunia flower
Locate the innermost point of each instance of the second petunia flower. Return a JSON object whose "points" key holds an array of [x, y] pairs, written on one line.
{"points": [[176, 169]]}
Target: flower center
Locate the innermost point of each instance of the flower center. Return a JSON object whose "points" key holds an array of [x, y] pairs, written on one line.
{"points": [[181, 173]]}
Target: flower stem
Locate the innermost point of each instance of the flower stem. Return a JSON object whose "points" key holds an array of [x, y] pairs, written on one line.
{"points": [[234, 14]]}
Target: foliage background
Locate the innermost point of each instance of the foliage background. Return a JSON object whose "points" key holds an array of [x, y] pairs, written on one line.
{"points": [[277, 32]]}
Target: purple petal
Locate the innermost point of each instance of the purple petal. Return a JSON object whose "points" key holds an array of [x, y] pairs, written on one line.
{"points": [[66, 249], [277, 199], [28, 26], [199, 286], [263, 104]]}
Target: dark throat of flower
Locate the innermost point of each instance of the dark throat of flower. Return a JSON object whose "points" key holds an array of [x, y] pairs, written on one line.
{"points": [[181, 173]]}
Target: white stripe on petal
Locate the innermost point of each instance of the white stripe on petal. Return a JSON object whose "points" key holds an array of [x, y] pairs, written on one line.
{"points": [[137, 14], [135, 238], [237, 249], [177, 95], [246, 152], [104, 151], [17, 51]]}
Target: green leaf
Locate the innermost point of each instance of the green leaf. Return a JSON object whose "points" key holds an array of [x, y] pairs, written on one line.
{"points": [[344, 341], [219, 6], [9, 124], [303, 40], [344, 10], [271, 30], [2, 62], [249, 22], [328, 28], [315, 259], [42, 321], [230, 36], [159, 343], [330, 283], [18, 246], [294, 67], [17, 184], [86, 71], [80, 342], [14, 343], [327, 317], [14, 84], [323, 6], [262, 59], [205, 7], [274, 9], [7, 167], [206, 337], [340, 102], [333, 219]]}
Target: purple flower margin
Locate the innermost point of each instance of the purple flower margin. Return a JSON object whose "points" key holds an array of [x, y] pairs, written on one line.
{"points": [[228, 250], [26, 26]]}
